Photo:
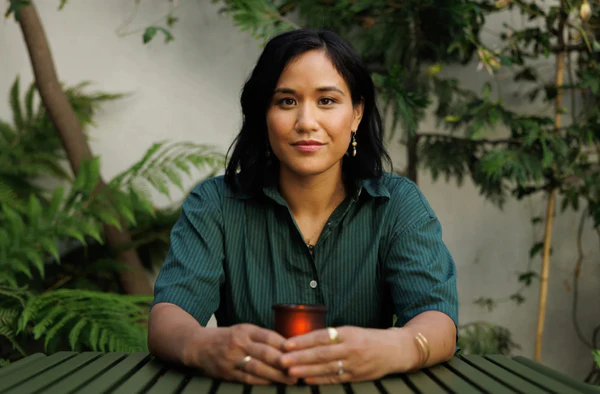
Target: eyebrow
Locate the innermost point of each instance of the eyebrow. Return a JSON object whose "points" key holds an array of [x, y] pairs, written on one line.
{"points": [[321, 89]]}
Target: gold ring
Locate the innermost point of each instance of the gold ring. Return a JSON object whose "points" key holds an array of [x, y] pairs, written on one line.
{"points": [[242, 364], [333, 334]]}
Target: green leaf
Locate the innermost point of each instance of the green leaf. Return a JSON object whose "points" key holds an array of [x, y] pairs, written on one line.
{"points": [[51, 247], [485, 302], [94, 336], [62, 4], [35, 210], [151, 31], [58, 326], [517, 298], [486, 90], [527, 277], [149, 34], [596, 354], [93, 175], [535, 249], [15, 7], [55, 203], [537, 220], [109, 217], [75, 331], [15, 106], [29, 103], [36, 259]]}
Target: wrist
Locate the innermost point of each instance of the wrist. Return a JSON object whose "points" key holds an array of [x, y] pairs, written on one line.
{"points": [[195, 345], [408, 356]]}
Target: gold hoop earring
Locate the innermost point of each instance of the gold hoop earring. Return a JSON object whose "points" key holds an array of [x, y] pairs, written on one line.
{"points": [[354, 144]]}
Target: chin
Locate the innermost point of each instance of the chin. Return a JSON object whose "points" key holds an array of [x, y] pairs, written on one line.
{"points": [[310, 170]]}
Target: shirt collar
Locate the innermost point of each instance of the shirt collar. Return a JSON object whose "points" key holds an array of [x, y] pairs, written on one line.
{"points": [[373, 186]]}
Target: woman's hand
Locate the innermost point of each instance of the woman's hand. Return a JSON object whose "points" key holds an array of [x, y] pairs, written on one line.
{"points": [[223, 353], [360, 354]]}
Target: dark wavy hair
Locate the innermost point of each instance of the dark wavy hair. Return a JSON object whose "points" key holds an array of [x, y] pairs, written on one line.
{"points": [[251, 156]]}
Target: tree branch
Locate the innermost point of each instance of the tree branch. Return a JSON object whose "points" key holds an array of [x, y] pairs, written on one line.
{"points": [[133, 280]]}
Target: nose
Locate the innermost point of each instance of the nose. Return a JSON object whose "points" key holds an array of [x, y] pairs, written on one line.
{"points": [[307, 119]]}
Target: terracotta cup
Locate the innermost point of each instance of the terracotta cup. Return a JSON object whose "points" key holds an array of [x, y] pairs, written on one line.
{"points": [[297, 319]]}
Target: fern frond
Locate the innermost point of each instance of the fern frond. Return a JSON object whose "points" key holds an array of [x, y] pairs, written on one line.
{"points": [[8, 327], [163, 163], [115, 322]]}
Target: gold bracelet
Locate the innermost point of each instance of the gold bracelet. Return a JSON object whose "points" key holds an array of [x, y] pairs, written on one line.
{"points": [[424, 346]]}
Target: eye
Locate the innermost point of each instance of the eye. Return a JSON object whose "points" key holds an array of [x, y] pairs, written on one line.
{"points": [[286, 102], [326, 101]]}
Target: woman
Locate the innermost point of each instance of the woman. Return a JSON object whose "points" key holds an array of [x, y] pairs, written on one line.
{"points": [[305, 214]]}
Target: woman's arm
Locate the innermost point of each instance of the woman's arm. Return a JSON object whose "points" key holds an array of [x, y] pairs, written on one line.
{"points": [[170, 329], [439, 332]]}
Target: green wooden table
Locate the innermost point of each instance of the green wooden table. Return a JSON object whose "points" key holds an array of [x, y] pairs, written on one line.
{"points": [[92, 372]]}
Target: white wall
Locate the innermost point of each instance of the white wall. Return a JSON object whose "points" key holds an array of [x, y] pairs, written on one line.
{"points": [[189, 89]]}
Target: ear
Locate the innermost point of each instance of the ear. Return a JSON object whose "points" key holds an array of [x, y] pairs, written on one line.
{"points": [[358, 114]]}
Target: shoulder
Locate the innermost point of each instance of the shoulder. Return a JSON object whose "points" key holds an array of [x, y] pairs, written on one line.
{"points": [[210, 191], [406, 201]]}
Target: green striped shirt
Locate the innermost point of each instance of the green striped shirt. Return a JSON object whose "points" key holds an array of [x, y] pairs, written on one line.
{"points": [[380, 253]]}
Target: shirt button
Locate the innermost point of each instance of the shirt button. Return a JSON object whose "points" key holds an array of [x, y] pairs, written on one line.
{"points": [[313, 284]]}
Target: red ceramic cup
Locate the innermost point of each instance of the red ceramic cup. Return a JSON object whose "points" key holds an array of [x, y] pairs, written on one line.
{"points": [[297, 319]]}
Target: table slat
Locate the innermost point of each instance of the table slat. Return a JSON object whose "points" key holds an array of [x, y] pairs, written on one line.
{"points": [[85, 374], [142, 379], [116, 374], [332, 389], [34, 369], [478, 378], [452, 381], [230, 388], [510, 379], [365, 387], [19, 364], [530, 374], [425, 384], [198, 385], [169, 383], [297, 390], [396, 386], [55, 374], [264, 389], [569, 381]]}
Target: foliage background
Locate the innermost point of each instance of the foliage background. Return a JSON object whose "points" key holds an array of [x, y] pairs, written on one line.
{"points": [[189, 89]]}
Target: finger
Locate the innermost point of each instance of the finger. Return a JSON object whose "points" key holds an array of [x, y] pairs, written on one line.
{"points": [[317, 370], [312, 339], [261, 370], [267, 354], [315, 355], [331, 379], [245, 377], [268, 337]]}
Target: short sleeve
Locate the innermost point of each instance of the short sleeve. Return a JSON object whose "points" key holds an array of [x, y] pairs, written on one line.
{"points": [[420, 271], [192, 273]]}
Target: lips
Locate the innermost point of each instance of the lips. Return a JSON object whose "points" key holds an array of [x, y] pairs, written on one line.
{"points": [[308, 145]]}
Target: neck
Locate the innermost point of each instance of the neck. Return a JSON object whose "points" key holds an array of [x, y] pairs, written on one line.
{"points": [[312, 195]]}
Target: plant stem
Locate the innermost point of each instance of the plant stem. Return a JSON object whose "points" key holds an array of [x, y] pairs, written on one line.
{"points": [[544, 275], [560, 68], [68, 128]]}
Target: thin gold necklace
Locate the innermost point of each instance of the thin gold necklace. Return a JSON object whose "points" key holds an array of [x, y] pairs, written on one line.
{"points": [[310, 246]]}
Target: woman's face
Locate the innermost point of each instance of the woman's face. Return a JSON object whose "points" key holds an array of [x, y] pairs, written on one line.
{"points": [[311, 117]]}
